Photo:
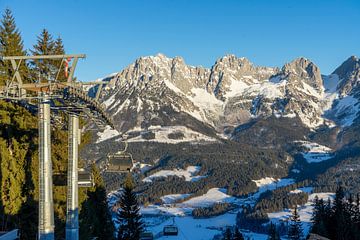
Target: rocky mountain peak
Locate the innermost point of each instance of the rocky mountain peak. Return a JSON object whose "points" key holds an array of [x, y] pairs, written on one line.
{"points": [[154, 71], [231, 92], [349, 75], [230, 69], [302, 69], [348, 67]]}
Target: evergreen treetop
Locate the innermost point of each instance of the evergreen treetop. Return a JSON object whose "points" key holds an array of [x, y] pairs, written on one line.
{"points": [[11, 44], [128, 214], [295, 229], [273, 233]]}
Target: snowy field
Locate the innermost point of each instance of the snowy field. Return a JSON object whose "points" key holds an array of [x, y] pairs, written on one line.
{"points": [[162, 135], [188, 174], [214, 195], [170, 212], [107, 134], [172, 198], [315, 152], [269, 184], [157, 216], [305, 211]]}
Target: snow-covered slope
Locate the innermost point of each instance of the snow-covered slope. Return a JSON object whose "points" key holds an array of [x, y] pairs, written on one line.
{"points": [[188, 174], [200, 103], [154, 86], [305, 212], [315, 153]]}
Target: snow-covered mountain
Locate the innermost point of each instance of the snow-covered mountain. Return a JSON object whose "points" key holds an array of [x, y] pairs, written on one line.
{"points": [[162, 91], [281, 125]]}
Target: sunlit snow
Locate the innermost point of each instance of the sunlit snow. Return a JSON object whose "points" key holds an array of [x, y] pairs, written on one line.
{"points": [[107, 134], [188, 174], [162, 135], [315, 152], [305, 212], [347, 109]]}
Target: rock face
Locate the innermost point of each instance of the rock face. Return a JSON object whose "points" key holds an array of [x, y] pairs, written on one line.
{"points": [[349, 75], [158, 90], [303, 70]]}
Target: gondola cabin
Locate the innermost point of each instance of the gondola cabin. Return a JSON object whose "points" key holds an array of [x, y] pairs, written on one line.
{"points": [[85, 179], [146, 236], [170, 230], [119, 162]]}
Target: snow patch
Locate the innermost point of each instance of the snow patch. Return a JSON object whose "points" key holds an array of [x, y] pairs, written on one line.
{"points": [[142, 167], [315, 152], [107, 134], [214, 195], [304, 211], [346, 109], [206, 101], [188, 174], [269, 184], [303, 189], [236, 87], [172, 198], [162, 135]]}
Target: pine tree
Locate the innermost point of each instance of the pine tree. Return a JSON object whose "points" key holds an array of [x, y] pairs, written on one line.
{"points": [[319, 217], [341, 217], [273, 233], [95, 218], [11, 44], [129, 216], [45, 68], [295, 229], [237, 234], [228, 234], [323, 219], [58, 64]]}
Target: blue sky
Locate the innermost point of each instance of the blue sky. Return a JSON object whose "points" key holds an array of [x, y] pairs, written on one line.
{"points": [[114, 33]]}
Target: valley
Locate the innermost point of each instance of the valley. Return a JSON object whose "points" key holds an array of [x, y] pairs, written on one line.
{"points": [[206, 135]]}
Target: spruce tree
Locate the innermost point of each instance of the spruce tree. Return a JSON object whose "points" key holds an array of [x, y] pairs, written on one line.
{"points": [[295, 229], [237, 234], [319, 217], [95, 218], [273, 233], [58, 65], [128, 215], [11, 44], [45, 68], [341, 221], [228, 234]]}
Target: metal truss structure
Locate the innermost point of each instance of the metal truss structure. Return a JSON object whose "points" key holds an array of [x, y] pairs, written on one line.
{"points": [[68, 96]]}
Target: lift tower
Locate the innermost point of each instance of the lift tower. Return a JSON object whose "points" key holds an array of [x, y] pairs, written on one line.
{"points": [[72, 204], [74, 100], [46, 205]]}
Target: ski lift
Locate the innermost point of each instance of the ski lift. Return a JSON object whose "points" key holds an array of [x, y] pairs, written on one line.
{"points": [[171, 230], [146, 236], [85, 179], [121, 161]]}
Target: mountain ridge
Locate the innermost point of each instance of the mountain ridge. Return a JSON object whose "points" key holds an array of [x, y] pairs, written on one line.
{"points": [[229, 77]]}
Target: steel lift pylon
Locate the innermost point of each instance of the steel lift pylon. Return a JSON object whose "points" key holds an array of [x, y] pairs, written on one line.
{"points": [[16, 90], [46, 205], [72, 204]]}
